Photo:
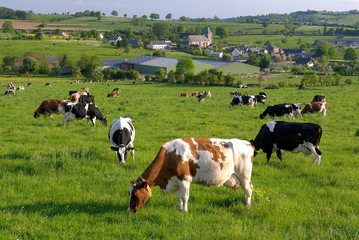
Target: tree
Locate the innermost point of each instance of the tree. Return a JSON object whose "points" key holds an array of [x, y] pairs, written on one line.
{"points": [[350, 54], [221, 32], [8, 27], [169, 16], [65, 61], [114, 13], [160, 29], [154, 16], [227, 57], [183, 18], [185, 65], [325, 49], [30, 65], [88, 64]]}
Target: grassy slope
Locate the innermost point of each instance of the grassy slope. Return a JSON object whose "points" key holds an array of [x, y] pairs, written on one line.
{"points": [[64, 182]]}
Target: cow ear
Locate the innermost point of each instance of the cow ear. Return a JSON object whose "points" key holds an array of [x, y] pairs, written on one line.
{"points": [[115, 149]]}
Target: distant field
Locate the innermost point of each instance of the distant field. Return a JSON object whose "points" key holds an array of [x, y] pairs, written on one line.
{"points": [[65, 183]]}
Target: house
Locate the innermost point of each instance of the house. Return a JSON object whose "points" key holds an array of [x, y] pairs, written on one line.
{"points": [[160, 44], [114, 39], [202, 41], [51, 61], [304, 62], [216, 54]]}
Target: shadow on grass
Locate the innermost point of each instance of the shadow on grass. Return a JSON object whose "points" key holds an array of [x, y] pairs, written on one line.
{"points": [[57, 209]]}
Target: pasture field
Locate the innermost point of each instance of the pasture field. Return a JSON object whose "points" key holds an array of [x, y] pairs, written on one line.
{"points": [[63, 182]]}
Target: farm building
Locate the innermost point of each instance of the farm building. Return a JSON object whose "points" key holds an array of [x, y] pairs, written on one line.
{"points": [[152, 64]]}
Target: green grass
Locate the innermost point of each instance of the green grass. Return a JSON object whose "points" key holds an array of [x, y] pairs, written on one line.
{"points": [[65, 183]]}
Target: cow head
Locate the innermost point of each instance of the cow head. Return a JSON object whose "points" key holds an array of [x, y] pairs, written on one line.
{"points": [[139, 194], [36, 114], [104, 121], [121, 152]]}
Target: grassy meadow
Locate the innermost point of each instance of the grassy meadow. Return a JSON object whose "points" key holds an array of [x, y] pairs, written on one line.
{"points": [[63, 182]]}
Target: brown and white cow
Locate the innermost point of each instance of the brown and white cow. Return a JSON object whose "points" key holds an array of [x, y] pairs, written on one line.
{"points": [[184, 94], [316, 107], [50, 106], [205, 161]]}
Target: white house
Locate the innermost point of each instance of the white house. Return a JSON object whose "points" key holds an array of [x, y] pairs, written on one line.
{"points": [[160, 44]]}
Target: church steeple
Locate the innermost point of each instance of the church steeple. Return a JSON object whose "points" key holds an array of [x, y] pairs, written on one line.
{"points": [[208, 33]]}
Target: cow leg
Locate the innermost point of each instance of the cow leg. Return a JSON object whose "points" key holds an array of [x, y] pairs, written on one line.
{"points": [[183, 194], [246, 184], [316, 152], [279, 154], [269, 154], [132, 151]]}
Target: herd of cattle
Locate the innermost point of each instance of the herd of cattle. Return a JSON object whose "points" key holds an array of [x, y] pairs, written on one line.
{"points": [[206, 161]]}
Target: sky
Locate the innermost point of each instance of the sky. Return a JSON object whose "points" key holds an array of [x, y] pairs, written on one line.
{"points": [[188, 8]]}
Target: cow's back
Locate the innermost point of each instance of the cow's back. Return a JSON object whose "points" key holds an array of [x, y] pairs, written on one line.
{"points": [[209, 162]]}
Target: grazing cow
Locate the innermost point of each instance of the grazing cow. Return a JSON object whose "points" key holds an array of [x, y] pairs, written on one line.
{"points": [[87, 99], [50, 106], [122, 135], [184, 94], [289, 136], [261, 98], [243, 100], [281, 110], [114, 93], [207, 94], [47, 84], [194, 94], [11, 89], [20, 88], [318, 98], [316, 107], [205, 161], [200, 97], [29, 84], [81, 111]]}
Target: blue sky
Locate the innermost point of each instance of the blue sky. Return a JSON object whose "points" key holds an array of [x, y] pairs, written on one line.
{"points": [[187, 8]]}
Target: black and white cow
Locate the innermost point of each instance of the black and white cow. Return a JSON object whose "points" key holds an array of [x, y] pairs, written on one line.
{"points": [[289, 136], [87, 99], [291, 110], [243, 100], [261, 97], [122, 135], [81, 111]]}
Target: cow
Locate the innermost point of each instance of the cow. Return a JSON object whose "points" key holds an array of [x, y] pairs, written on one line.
{"points": [[83, 111], [235, 93], [207, 94], [50, 106], [200, 97], [318, 98], [11, 89], [48, 84], [243, 100], [184, 94], [316, 107], [114, 93], [291, 110], [204, 161], [194, 94], [87, 99], [122, 135], [289, 136], [20, 88], [261, 98]]}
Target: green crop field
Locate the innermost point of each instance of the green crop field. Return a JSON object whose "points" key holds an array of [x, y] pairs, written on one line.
{"points": [[63, 182]]}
